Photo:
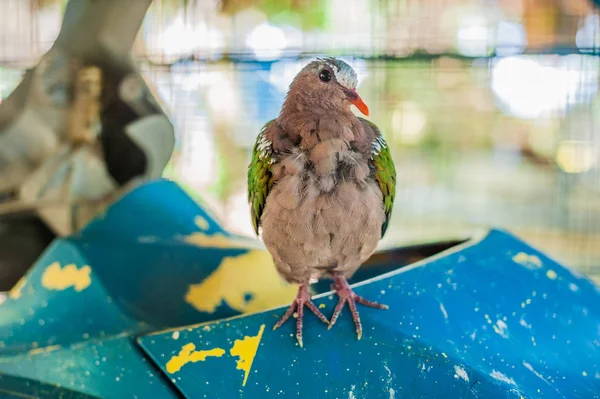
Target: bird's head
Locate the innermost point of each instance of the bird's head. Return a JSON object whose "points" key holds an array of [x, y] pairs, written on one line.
{"points": [[328, 83]]}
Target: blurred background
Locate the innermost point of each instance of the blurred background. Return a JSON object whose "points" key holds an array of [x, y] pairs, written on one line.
{"points": [[491, 107]]}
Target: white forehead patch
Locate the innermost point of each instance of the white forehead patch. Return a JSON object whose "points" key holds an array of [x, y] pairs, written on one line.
{"points": [[343, 72]]}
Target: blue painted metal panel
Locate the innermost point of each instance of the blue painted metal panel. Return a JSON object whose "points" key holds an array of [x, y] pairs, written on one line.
{"points": [[112, 367], [155, 259], [496, 319]]}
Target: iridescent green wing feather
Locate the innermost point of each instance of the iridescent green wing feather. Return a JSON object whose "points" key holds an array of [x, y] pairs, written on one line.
{"points": [[385, 174], [260, 176]]}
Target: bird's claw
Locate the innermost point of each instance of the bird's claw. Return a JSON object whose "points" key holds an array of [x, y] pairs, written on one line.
{"points": [[343, 290], [302, 300]]}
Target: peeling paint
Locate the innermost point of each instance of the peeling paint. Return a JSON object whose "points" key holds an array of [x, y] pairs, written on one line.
{"points": [[461, 373], [246, 283], [501, 377], [202, 223], [15, 292], [217, 240], [501, 329], [529, 261], [444, 312], [189, 354], [59, 279], [246, 350], [47, 349]]}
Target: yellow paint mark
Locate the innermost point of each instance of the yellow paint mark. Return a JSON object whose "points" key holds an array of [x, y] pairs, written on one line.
{"points": [[551, 274], [47, 349], [216, 240], [529, 261], [57, 278], [189, 354], [201, 223], [246, 283], [15, 292], [246, 350], [322, 306]]}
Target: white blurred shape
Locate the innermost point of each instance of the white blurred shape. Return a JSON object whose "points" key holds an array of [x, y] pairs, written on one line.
{"points": [[222, 96], [408, 123], [178, 39], [267, 42], [283, 72], [574, 156], [588, 35], [209, 40], [529, 89], [473, 36], [196, 163], [294, 39], [237, 218], [510, 38]]}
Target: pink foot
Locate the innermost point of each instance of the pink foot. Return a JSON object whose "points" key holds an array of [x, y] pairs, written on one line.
{"points": [[341, 287], [302, 299]]}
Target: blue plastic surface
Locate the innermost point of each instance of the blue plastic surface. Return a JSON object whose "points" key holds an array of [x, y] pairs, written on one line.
{"points": [[154, 260], [493, 318]]}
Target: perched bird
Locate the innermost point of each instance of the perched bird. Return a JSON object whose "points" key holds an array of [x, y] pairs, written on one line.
{"points": [[321, 187]]}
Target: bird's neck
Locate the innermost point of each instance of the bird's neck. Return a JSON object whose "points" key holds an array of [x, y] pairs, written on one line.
{"points": [[310, 120]]}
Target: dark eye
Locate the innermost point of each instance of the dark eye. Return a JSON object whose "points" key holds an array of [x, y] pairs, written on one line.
{"points": [[325, 75]]}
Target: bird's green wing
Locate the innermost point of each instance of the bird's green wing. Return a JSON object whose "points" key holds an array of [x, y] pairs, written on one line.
{"points": [[260, 176], [385, 174]]}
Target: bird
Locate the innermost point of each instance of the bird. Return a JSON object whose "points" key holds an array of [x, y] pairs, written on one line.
{"points": [[321, 188]]}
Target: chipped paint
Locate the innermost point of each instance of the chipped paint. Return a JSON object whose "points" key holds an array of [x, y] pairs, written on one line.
{"points": [[501, 329], [189, 354], [573, 287], [201, 223], [217, 240], [59, 279], [551, 274], [460, 373], [501, 377], [15, 292], [529, 261], [247, 283], [524, 324], [47, 349], [530, 368], [444, 312], [246, 350]]}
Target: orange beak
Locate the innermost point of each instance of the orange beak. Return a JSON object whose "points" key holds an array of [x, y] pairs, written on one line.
{"points": [[358, 102]]}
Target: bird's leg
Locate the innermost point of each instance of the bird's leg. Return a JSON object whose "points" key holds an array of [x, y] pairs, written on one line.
{"points": [[302, 299], [343, 290]]}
